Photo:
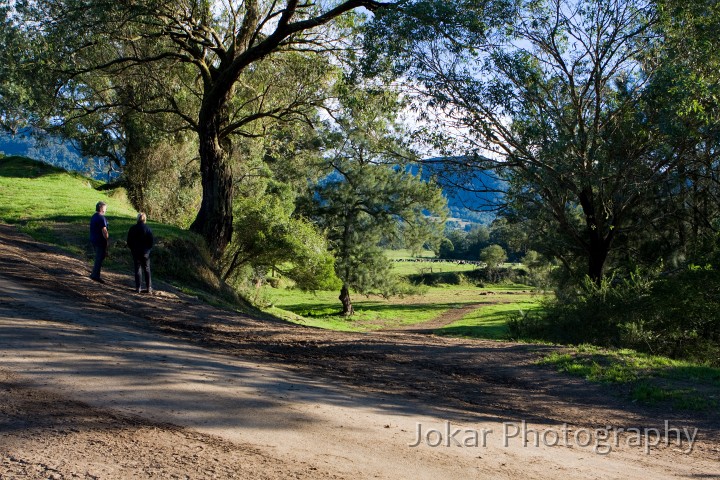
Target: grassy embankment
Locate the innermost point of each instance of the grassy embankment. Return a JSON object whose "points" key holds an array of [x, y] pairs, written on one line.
{"points": [[55, 206], [646, 379]]}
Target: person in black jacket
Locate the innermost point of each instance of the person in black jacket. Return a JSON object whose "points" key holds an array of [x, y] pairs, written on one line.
{"points": [[140, 241]]}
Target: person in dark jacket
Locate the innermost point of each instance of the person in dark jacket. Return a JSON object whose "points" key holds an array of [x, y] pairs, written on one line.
{"points": [[99, 238], [140, 241]]}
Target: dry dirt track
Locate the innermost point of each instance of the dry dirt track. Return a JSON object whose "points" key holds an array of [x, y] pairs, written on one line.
{"points": [[103, 383]]}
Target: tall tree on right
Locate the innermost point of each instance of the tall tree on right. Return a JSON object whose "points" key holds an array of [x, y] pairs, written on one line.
{"points": [[553, 94], [684, 97]]}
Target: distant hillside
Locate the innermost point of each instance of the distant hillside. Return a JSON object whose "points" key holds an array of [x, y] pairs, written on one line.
{"points": [[54, 151], [473, 195]]}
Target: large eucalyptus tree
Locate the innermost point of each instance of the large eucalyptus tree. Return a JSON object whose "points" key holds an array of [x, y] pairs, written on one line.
{"points": [[188, 58]]}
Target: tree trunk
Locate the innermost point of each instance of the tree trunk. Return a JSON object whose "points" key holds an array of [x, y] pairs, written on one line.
{"points": [[345, 299], [599, 244], [137, 169], [596, 259], [214, 221]]}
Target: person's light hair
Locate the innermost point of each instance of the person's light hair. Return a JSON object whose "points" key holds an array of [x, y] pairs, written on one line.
{"points": [[141, 218], [99, 205]]}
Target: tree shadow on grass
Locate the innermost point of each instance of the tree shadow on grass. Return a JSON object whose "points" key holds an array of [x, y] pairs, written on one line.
{"points": [[388, 310]]}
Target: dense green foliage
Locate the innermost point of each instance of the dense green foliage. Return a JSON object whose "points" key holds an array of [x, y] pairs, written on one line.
{"points": [[583, 108], [108, 69], [676, 315], [467, 244], [269, 239], [493, 256]]}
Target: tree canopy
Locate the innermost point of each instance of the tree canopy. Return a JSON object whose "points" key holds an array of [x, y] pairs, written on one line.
{"points": [[372, 195], [187, 58], [560, 99]]}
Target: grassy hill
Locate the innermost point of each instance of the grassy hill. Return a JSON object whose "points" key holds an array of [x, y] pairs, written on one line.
{"points": [[55, 206]]}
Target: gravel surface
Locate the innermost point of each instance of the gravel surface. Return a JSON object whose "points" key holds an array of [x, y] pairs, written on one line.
{"points": [[99, 382]]}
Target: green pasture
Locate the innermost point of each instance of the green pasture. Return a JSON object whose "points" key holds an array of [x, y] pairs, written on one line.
{"points": [[406, 267], [493, 305], [321, 309]]}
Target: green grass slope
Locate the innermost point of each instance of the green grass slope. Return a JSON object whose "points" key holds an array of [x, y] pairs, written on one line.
{"points": [[55, 206]]}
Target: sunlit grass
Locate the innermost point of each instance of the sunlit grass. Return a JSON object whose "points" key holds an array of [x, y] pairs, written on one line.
{"points": [[406, 268], [321, 309], [651, 379], [55, 206], [491, 321]]}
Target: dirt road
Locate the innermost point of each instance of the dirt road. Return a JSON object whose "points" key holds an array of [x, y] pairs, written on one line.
{"points": [[98, 382]]}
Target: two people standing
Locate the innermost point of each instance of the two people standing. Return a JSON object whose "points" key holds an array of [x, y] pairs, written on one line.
{"points": [[139, 239]]}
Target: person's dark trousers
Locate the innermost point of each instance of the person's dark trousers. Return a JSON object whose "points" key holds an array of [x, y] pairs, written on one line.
{"points": [[100, 254], [142, 265]]}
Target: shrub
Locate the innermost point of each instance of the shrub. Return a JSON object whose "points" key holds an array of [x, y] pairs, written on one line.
{"points": [[186, 261], [683, 319], [674, 315], [164, 183], [436, 278]]}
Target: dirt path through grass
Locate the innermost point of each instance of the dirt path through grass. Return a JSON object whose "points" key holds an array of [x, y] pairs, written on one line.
{"points": [[97, 382], [452, 315], [446, 318]]}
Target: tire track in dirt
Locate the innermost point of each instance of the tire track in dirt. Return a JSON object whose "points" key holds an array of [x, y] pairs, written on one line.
{"points": [[446, 318]]}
